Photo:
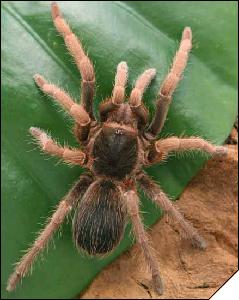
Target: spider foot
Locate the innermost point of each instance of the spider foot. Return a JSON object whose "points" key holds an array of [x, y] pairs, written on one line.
{"points": [[39, 80], [221, 151], [199, 242], [157, 284]]}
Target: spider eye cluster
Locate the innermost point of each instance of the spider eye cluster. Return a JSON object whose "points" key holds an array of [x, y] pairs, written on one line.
{"points": [[119, 131]]}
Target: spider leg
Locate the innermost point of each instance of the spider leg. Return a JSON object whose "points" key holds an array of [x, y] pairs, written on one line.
{"points": [[135, 100], [161, 148], [141, 236], [55, 221], [170, 83], [118, 92], [82, 61], [76, 111], [48, 145], [154, 192]]}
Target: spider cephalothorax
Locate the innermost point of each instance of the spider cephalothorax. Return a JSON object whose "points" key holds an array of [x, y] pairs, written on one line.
{"points": [[111, 146], [114, 150]]}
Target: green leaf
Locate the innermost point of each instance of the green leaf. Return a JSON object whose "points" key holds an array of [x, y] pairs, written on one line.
{"points": [[145, 34]]}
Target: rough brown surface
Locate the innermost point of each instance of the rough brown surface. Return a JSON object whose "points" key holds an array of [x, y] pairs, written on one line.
{"points": [[210, 203]]}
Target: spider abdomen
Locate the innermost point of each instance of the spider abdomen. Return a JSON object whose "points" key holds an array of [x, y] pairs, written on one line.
{"points": [[99, 220]]}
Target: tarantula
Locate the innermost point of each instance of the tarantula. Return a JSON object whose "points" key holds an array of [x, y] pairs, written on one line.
{"points": [[114, 150]]}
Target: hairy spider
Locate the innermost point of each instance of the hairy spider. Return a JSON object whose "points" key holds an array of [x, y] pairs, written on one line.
{"points": [[114, 150]]}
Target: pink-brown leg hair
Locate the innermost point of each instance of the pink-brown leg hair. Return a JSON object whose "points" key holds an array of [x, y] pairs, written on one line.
{"points": [[161, 148], [48, 145], [135, 100], [141, 237], [45, 235], [153, 191], [118, 94], [170, 83], [76, 111], [82, 61]]}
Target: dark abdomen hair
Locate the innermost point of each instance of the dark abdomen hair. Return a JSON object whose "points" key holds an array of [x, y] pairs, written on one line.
{"points": [[99, 220]]}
